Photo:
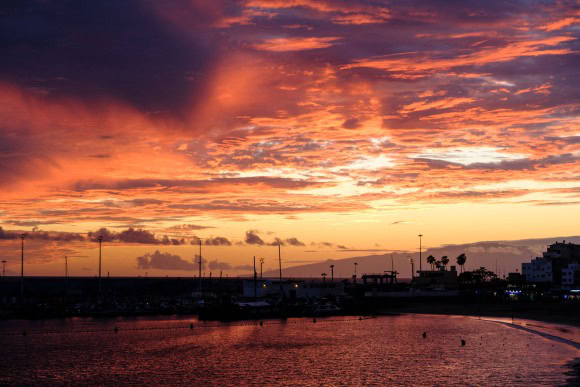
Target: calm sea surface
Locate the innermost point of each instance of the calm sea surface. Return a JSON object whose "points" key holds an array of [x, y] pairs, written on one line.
{"points": [[384, 350]]}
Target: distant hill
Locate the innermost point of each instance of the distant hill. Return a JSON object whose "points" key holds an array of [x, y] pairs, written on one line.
{"points": [[508, 254]]}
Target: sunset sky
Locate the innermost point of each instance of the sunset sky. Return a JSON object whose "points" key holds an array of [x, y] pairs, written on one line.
{"points": [[337, 127]]}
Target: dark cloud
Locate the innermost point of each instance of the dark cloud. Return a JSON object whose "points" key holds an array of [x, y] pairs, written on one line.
{"points": [[190, 227], [127, 184], [329, 244], [252, 238], [217, 241], [24, 223], [294, 242], [42, 235], [63, 49], [506, 165], [144, 202], [172, 241], [132, 235], [216, 265], [568, 140], [288, 241], [164, 261]]}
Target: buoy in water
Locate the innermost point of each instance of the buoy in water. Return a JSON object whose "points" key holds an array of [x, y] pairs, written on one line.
{"points": [[190, 326], [424, 335], [462, 343], [261, 323]]}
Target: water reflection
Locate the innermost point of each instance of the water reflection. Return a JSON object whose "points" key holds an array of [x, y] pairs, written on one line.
{"points": [[384, 350]]}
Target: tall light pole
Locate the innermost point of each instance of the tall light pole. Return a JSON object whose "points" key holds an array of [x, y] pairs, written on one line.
{"points": [[261, 265], [200, 264], [420, 252], [23, 237], [255, 280], [412, 268], [331, 273], [280, 265], [100, 238]]}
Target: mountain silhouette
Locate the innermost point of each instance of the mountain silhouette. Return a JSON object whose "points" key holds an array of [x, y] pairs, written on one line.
{"points": [[508, 254]]}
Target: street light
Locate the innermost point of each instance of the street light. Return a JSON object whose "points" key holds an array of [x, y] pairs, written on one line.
{"points": [[200, 284], [420, 251], [261, 265], [331, 273], [23, 237], [100, 239], [412, 267]]}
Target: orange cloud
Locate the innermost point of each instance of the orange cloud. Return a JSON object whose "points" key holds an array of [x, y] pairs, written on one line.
{"points": [[295, 44], [410, 63], [559, 24]]}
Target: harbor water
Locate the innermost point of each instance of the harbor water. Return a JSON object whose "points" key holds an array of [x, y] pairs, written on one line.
{"points": [[337, 350]]}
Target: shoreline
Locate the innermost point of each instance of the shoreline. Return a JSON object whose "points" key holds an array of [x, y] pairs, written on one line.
{"points": [[540, 312], [522, 324]]}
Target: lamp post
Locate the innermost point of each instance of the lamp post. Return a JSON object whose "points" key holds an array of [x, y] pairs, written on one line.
{"points": [[331, 273], [23, 237], [100, 238], [412, 268], [255, 280], [280, 264], [261, 266], [420, 252], [200, 264]]}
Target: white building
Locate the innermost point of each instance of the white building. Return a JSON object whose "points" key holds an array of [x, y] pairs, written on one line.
{"points": [[538, 270], [571, 275]]}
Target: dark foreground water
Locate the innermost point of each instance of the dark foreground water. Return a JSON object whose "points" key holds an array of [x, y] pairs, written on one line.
{"points": [[385, 350]]}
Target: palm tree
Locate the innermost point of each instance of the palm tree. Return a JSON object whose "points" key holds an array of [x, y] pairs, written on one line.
{"points": [[444, 261], [431, 261], [461, 259]]}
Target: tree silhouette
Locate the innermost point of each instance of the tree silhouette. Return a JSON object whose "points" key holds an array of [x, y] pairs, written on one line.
{"points": [[323, 277], [444, 261], [461, 259], [431, 261]]}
